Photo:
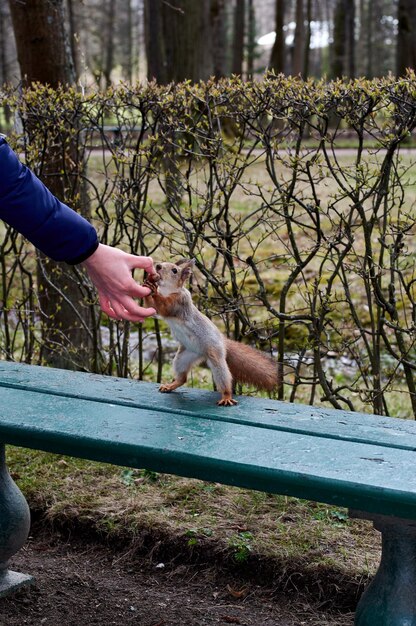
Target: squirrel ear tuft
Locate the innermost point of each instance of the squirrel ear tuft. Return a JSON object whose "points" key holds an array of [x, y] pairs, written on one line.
{"points": [[187, 266]]}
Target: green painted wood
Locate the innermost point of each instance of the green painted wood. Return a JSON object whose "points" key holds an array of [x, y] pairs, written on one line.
{"points": [[260, 412], [359, 475], [360, 461], [11, 581], [14, 529], [390, 599]]}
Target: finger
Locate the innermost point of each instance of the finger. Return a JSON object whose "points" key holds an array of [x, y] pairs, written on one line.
{"points": [[137, 291], [120, 312], [131, 317], [134, 309], [147, 311], [106, 307], [143, 262], [126, 309]]}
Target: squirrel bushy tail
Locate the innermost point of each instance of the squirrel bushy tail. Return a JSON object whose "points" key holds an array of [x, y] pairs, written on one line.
{"points": [[248, 365]]}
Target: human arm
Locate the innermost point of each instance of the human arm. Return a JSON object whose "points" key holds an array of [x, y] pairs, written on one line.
{"points": [[29, 207], [64, 235]]}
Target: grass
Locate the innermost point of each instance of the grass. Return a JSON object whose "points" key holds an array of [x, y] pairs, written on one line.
{"points": [[162, 516]]}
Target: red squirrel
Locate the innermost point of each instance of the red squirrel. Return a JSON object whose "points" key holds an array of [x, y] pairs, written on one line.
{"points": [[200, 340]]}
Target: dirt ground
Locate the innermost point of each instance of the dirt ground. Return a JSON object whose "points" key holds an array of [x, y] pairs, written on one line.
{"points": [[80, 583]]}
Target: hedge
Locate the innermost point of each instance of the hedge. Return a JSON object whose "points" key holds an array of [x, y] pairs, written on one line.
{"points": [[296, 199]]}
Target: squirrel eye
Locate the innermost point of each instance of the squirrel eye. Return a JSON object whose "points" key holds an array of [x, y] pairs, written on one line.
{"points": [[158, 267], [174, 270]]}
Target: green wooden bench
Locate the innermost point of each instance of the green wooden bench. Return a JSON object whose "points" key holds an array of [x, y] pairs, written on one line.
{"points": [[363, 462]]}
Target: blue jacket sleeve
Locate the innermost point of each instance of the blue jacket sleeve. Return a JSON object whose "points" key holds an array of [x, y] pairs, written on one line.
{"points": [[29, 207]]}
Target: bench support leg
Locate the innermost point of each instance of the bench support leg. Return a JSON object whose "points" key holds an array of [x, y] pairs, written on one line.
{"points": [[14, 528], [390, 599]]}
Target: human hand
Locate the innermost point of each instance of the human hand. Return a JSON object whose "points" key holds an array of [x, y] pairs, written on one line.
{"points": [[110, 270]]}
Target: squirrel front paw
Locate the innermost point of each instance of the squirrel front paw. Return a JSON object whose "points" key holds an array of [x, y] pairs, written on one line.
{"points": [[151, 284], [167, 388]]}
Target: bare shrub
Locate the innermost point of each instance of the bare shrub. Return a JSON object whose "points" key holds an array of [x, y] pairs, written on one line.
{"points": [[303, 246]]}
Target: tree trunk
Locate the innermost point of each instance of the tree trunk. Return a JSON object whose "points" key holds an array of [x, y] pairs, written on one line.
{"points": [[73, 36], [299, 40], [154, 41], [370, 20], [219, 23], [129, 47], [43, 48], [108, 43], [251, 39], [277, 60], [188, 40], [406, 36], [338, 48], [350, 8], [306, 52], [4, 61], [178, 40], [361, 38], [238, 38], [45, 56], [343, 49], [3, 45]]}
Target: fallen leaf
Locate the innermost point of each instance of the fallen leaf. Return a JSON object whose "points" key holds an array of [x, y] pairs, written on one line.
{"points": [[237, 594]]}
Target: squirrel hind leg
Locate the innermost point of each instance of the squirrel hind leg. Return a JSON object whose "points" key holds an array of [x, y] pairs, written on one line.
{"points": [[222, 378]]}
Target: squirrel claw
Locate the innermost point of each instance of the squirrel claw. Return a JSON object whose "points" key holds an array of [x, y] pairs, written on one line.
{"points": [[227, 402], [165, 388], [151, 285]]}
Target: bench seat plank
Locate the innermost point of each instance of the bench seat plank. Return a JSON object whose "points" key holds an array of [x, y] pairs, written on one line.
{"points": [[355, 474], [260, 412], [360, 461]]}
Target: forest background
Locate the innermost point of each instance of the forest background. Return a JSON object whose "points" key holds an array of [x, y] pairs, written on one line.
{"points": [[294, 190], [133, 39]]}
